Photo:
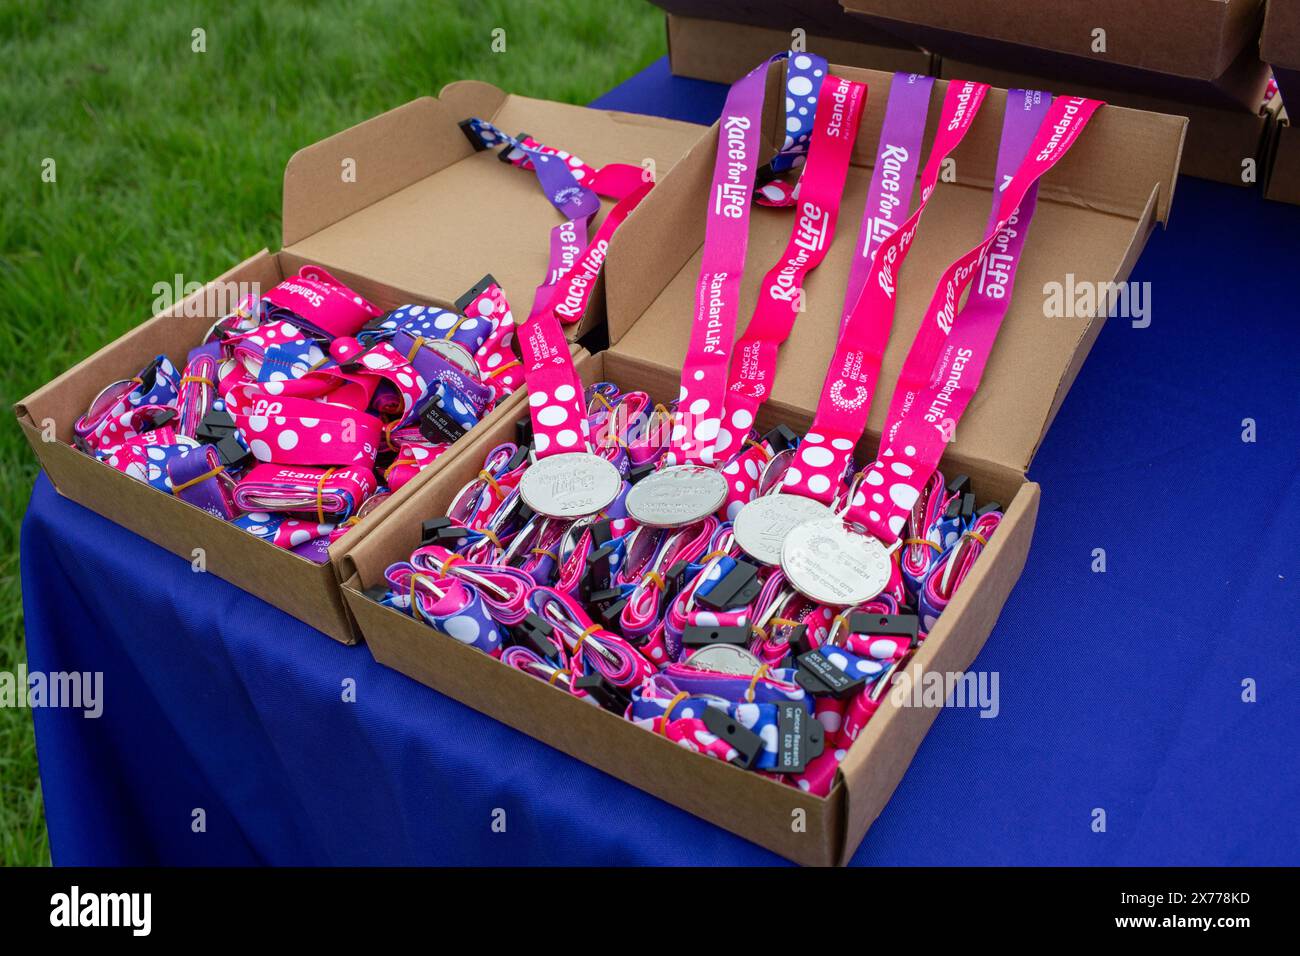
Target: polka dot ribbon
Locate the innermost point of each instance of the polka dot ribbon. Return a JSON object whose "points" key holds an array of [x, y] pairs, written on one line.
{"points": [[780, 296], [944, 364], [842, 410], [950, 570]]}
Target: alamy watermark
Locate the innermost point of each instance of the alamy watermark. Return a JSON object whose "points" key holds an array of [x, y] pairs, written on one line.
{"points": [[978, 690], [1082, 299], [203, 298], [76, 690]]}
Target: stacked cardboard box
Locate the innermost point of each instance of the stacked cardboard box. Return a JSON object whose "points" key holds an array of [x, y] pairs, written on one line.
{"points": [[1193, 58]]}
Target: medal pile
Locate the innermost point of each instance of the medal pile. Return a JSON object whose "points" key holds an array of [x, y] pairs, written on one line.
{"points": [[749, 594], [304, 407]]}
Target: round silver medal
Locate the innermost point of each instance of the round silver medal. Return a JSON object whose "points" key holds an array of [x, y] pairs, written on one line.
{"points": [[676, 496], [762, 524], [725, 659], [456, 354], [831, 563], [570, 484]]}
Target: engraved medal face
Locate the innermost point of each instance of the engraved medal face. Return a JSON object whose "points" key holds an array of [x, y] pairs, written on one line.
{"points": [[570, 485], [832, 564], [761, 526], [676, 496], [457, 355], [725, 659]]}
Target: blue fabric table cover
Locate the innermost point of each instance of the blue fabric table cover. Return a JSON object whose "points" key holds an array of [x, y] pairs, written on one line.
{"points": [[1119, 691]]}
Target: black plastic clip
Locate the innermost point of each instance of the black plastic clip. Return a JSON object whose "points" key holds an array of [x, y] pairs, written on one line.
{"points": [[737, 588], [534, 633], [518, 458], [596, 575], [959, 484], [232, 453], [442, 531], [696, 635], [799, 641], [473, 292], [989, 508], [609, 697], [780, 439], [819, 677], [602, 532], [674, 580], [161, 418], [885, 625], [799, 736], [439, 427], [747, 743], [216, 425], [505, 154], [611, 612], [962, 507], [524, 433], [467, 127], [637, 472]]}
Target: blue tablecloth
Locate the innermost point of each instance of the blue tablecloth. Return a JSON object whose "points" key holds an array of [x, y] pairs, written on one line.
{"points": [[1120, 691]]}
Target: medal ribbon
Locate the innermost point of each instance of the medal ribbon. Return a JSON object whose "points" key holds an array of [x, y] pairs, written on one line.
{"points": [[854, 368], [943, 367], [780, 297]]}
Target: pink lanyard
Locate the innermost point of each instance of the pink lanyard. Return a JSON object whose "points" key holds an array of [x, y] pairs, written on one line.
{"points": [[946, 360], [828, 560], [717, 293], [839, 110], [855, 365], [567, 480]]}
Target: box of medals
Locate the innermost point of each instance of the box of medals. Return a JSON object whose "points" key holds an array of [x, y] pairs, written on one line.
{"points": [[260, 423]]}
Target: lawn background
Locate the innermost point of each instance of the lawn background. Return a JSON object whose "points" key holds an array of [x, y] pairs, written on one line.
{"points": [[170, 161]]}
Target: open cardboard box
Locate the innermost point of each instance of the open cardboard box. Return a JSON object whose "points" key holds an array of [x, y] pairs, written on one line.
{"points": [[723, 52], [1200, 51], [424, 219], [1219, 141], [1095, 212]]}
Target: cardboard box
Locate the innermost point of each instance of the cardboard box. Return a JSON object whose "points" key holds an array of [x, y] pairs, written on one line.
{"points": [[1283, 176], [1199, 51], [723, 52], [1095, 212], [425, 218], [815, 17], [1219, 141], [1279, 46]]}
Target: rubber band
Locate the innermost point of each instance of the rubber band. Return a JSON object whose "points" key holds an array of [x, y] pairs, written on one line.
{"points": [[655, 578], [398, 461], [320, 495], [177, 489], [501, 368], [451, 559], [766, 454], [416, 344], [202, 380], [925, 541], [452, 331], [486, 476], [542, 552], [753, 682], [978, 537], [668, 711]]}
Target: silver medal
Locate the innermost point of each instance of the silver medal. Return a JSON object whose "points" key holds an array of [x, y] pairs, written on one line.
{"points": [[830, 563], [725, 659], [570, 485], [456, 354], [762, 524], [676, 496]]}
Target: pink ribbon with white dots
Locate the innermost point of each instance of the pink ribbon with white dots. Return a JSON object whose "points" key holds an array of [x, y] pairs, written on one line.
{"points": [[943, 366], [854, 369], [780, 297]]}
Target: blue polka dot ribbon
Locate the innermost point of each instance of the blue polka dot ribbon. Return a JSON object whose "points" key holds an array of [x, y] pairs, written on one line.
{"points": [[804, 75]]}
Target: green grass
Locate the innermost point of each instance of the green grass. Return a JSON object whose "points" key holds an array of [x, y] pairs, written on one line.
{"points": [[170, 161]]}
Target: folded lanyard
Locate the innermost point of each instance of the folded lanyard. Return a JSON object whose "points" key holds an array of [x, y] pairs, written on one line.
{"points": [[827, 559]]}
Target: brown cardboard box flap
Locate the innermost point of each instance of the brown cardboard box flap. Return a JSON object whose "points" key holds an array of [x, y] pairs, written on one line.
{"points": [[823, 17], [1191, 38], [1095, 211], [1219, 141], [425, 212], [724, 52], [1279, 43]]}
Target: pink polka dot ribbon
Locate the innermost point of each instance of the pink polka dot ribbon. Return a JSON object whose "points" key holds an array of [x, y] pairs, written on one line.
{"points": [[947, 574], [845, 401], [322, 303], [298, 431], [944, 364], [717, 292], [327, 493], [780, 296]]}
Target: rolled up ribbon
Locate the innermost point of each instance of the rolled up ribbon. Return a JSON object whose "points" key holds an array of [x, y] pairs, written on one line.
{"points": [[330, 495]]}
